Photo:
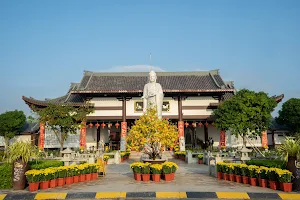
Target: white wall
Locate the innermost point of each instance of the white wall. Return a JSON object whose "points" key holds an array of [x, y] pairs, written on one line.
{"points": [[14, 139]]}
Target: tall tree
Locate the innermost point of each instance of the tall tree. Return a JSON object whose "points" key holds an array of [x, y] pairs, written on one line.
{"points": [[11, 123], [63, 119], [246, 114], [149, 130], [289, 115]]}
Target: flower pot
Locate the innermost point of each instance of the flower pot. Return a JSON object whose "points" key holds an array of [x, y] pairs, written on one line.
{"points": [[122, 159], [61, 181], [76, 179], [88, 177], [245, 179], [225, 177], [69, 180], [220, 175], [82, 178], [264, 183], [33, 186], [146, 177], [238, 178], [94, 176], [200, 161], [52, 183], [253, 181], [156, 177], [105, 162], [44, 185], [137, 176], [231, 177], [280, 185], [168, 177], [273, 185], [287, 187]]}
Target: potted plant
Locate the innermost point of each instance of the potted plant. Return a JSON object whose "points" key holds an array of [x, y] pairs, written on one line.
{"points": [[76, 173], [200, 158], [45, 178], [95, 168], [61, 171], [105, 159], [32, 177], [82, 169], [53, 177], [238, 173], [69, 178], [137, 169], [123, 154], [245, 173], [231, 167], [253, 174], [285, 178], [225, 171], [219, 170], [146, 172], [156, 172], [88, 175], [273, 178], [167, 170], [18, 154], [263, 176]]}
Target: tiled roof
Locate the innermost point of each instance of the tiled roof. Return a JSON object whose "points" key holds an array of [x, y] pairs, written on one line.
{"points": [[134, 82]]}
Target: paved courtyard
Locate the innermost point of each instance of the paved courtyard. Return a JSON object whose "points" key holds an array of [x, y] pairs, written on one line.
{"points": [[189, 177]]}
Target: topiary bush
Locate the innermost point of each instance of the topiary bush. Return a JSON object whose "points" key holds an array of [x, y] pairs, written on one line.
{"points": [[5, 176], [268, 163], [43, 164]]}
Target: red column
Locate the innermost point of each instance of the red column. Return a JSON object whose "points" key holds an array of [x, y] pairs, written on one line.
{"points": [[264, 139], [222, 139], [83, 137], [181, 135], [123, 136], [42, 136]]}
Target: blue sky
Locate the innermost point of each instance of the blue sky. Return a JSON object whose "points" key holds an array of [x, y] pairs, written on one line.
{"points": [[46, 45]]}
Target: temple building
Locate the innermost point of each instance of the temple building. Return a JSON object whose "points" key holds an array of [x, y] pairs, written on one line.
{"points": [[189, 100]]}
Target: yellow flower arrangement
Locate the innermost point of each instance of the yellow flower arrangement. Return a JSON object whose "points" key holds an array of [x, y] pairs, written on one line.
{"points": [[156, 168], [284, 176], [253, 171], [105, 158], [137, 167]]}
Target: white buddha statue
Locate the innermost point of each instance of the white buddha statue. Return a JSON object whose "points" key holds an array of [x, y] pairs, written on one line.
{"points": [[153, 95]]}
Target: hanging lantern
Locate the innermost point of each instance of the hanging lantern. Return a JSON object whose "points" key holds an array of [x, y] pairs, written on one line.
{"points": [[206, 124], [200, 124], [117, 125], [90, 125], [103, 125], [109, 125], [186, 124], [97, 125], [194, 124]]}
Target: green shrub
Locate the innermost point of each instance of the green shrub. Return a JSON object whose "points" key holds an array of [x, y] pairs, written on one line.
{"points": [[6, 176], [1, 156], [268, 163], [43, 164]]}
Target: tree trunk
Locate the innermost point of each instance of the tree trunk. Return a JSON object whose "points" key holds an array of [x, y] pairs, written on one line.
{"points": [[6, 142], [61, 142], [291, 166], [244, 140]]}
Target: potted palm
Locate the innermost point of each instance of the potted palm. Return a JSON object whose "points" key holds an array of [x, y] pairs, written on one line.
{"points": [[156, 172], [146, 172], [19, 154]]}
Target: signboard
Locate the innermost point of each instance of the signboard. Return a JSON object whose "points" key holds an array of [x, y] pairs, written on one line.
{"points": [[139, 104], [222, 139], [264, 139], [73, 140]]}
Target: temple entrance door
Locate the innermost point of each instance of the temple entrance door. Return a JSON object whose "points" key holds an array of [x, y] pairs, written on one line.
{"points": [[190, 136]]}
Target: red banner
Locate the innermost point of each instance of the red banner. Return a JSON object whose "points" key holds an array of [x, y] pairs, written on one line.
{"points": [[123, 129], [264, 139], [181, 129], [42, 136], [83, 137], [222, 139]]}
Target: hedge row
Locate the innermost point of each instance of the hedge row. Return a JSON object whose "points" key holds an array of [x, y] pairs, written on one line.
{"points": [[5, 176], [268, 163], [43, 164]]}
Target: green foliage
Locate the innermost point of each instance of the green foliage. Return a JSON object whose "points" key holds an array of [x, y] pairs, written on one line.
{"points": [[21, 150], [63, 119], [2, 156], [268, 163], [6, 176], [43, 164], [290, 147], [247, 110], [289, 115], [11, 122]]}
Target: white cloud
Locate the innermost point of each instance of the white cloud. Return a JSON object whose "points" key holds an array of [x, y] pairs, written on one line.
{"points": [[134, 68]]}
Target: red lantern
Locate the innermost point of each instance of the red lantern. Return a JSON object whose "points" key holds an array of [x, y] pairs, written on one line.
{"points": [[186, 124], [194, 124], [103, 125], [97, 125], [200, 124], [90, 125], [117, 125], [206, 124]]}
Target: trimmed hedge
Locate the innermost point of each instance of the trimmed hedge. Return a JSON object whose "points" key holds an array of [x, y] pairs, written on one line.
{"points": [[268, 163], [43, 164], [5, 176]]}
